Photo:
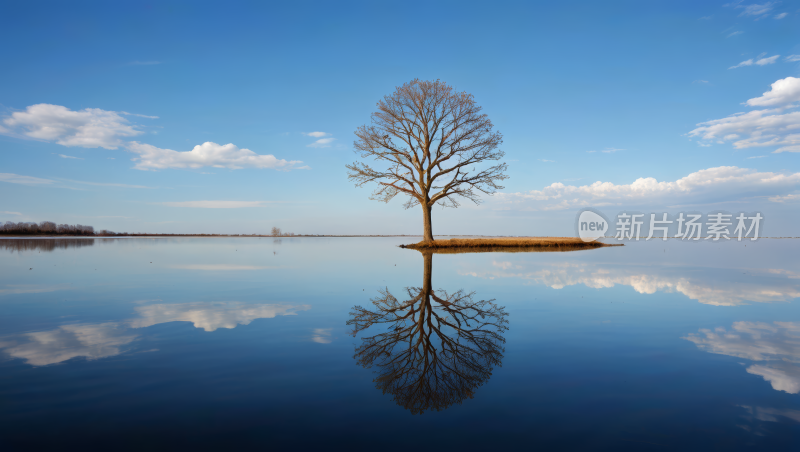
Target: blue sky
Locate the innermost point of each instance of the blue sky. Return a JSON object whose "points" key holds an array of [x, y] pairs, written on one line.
{"points": [[582, 92]]}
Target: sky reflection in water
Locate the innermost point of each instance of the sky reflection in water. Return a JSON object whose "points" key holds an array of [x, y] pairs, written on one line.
{"points": [[248, 342]]}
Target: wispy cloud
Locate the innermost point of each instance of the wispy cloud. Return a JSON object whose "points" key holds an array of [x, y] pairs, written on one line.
{"points": [[792, 58], [138, 115], [760, 128], [216, 204], [702, 82], [69, 157], [143, 63], [786, 198], [754, 10], [317, 134], [207, 154], [105, 184], [607, 150], [93, 128], [24, 180], [756, 157], [60, 183], [735, 33], [322, 143], [714, 185], [766, 61], [743, 63], [88, 128], [10, 213], [781, 15], [545, 160]]}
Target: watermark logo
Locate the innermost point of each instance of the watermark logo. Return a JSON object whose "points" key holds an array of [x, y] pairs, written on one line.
{"points": [[591, 225]]}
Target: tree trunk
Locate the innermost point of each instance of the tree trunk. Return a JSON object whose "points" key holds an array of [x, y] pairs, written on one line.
{"points": [[426, 218]]}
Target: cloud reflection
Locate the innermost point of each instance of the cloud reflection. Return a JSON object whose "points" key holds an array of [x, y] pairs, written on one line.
{"points": [[103, 340], [71, 341], [704, 285], [211, 315], [322, 335], [776, 346]]}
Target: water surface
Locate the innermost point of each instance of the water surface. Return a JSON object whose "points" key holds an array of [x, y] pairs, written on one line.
{"points": [[352, 342]]}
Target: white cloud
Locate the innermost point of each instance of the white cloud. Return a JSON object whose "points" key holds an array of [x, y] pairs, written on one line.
{"points": [[317, 134], [756, 9], [88, 128], [763, 127], [772, 127], [769, 60], [784, 91], [105, 184], [24, 180], [548, 161], [71, 341], [792, 58], [209, 315], [724, 182], [785, 198], [743, 63], [206, 154], [69, 157], [143, 63], [34, 181], [322, 143], [701, 81], [138, 115], [9, 213], [781, 15], [735, 33], [215, 204]]}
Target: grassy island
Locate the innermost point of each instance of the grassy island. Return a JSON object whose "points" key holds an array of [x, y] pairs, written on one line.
{"points": [[507, 244]]}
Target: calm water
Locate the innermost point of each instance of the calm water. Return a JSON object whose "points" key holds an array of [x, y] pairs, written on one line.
{"points": [[240, 343]]}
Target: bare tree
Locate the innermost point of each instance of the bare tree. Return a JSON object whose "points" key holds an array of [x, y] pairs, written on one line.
{"points": [[429, 142], [436, 348], [276, 232]]}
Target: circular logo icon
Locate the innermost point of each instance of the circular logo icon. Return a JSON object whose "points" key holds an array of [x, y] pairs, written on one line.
{"points": [[591, 225]]}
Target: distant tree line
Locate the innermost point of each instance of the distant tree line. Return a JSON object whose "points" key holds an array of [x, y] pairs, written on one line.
{"points": [[45, 227], [50, 228]]}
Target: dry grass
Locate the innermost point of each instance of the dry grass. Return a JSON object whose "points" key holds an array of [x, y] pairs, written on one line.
{"points": [[508, 244]]}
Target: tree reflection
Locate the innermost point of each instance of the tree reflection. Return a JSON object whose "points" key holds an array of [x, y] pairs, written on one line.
{"points": [[437, 347], [47, 245]]}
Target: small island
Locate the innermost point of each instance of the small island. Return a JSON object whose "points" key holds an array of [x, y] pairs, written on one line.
{"points": [[507, 244]]}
